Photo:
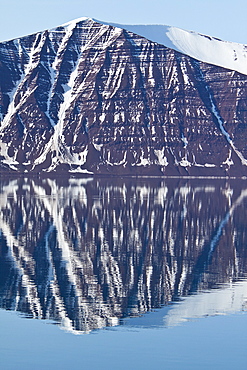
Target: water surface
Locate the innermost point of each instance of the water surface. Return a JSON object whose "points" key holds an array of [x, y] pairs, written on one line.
{"points": [[153, 270]]}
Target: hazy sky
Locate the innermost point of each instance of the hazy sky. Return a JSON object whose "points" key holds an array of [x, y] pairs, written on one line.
{"points": [[225, 19]]}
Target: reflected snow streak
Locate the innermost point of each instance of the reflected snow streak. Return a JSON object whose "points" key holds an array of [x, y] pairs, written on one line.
{"points": [[88, 252]]}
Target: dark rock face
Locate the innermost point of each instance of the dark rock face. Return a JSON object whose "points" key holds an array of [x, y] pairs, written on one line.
{"points": [[89, 97]]}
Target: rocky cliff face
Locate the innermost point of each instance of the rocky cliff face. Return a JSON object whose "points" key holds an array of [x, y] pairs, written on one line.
{"points": [[88, 97]]}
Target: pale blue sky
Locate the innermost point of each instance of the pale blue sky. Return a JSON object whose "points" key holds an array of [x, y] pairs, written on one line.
{"points": [[225, 19]]}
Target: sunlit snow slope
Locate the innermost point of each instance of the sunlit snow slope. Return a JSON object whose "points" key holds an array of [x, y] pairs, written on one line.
{"points": [[204, 48]]}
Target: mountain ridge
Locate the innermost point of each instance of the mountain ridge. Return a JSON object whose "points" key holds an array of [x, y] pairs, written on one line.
{"points": [[230, 55]]}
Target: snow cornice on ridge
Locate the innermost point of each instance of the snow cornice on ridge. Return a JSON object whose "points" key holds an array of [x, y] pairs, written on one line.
{"points": [[205, 48]]}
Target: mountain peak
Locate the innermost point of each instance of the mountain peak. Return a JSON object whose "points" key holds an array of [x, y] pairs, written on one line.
{"points": [[75, 21]]}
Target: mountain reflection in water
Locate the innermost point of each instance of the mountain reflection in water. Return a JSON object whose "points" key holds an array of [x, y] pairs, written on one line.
{"points": [[89, 252]]}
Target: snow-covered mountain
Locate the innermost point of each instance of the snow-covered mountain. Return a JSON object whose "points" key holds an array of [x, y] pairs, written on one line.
{"points": [[90, 97]]}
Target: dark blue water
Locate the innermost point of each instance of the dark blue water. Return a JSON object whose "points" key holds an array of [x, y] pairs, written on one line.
{"points": [[120, 273]]}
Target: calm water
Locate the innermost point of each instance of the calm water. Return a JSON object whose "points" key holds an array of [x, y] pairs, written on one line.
{"points": [[120, 273]]}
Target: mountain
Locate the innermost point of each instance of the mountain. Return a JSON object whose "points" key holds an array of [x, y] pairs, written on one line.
{"points": [[95, 98]]}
